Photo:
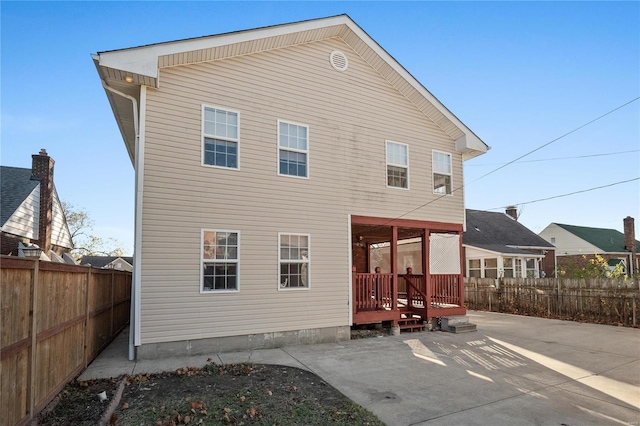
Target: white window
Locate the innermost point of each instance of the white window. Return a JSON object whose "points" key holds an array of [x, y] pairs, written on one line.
{"points": [[220, 254], [293, 149], [491, 268], [441, 173], [220, 134], [475, 269], [532, 268], [293, 259], [397, 165]]}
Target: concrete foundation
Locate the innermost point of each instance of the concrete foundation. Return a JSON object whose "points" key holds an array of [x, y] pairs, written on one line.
{"points": [[242, 343]]}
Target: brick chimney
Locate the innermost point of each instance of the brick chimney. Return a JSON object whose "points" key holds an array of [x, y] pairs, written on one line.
{"points": [[42, 169], [630, 238], [512, 211]]}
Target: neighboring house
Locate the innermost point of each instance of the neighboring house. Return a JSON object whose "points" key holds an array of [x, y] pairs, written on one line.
{"points": [[120, 263], [577, 244], [31, 212], [267, 163], [496, 245]]}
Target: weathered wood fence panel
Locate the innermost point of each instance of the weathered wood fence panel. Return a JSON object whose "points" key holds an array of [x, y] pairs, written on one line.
{"points": [[56, 319], [598, 300]]}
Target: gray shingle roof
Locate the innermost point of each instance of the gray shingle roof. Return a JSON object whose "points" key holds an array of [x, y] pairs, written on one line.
{"points": [[496, 231], [15, 185]]}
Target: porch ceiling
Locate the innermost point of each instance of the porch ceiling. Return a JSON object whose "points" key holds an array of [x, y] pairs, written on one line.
{"points": [[375, 234]]}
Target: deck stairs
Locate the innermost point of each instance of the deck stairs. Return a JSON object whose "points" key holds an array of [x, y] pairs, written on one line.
{"points": [[410, 322]]}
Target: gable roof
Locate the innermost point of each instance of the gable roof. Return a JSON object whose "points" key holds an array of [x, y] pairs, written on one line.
{"points": [[141, 65], [102, 261], [607, 240], [16, 183], [498, 232]]}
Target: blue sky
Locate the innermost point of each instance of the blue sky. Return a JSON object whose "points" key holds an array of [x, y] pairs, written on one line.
{"points": [[519, 74]]}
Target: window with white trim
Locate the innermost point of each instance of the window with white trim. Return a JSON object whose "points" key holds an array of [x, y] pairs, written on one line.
{"points": [[293, 149], [532, 268], [397, 165], [491, 268], [293, 259], [220, 134], [441, 162], [475, 269], [220, 254]]}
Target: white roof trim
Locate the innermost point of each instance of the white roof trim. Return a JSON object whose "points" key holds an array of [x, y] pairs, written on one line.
{"points": [[142, 64], [144, 59]]}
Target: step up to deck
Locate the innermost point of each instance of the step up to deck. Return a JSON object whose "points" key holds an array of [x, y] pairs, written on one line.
{"points": [[457, 324], [410, 323]]}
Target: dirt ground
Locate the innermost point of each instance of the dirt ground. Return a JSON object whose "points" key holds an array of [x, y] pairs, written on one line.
{"points": [[232, 394], [235, 394]]}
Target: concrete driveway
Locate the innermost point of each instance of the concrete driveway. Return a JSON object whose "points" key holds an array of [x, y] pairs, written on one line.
{"points": [[514, 370]]}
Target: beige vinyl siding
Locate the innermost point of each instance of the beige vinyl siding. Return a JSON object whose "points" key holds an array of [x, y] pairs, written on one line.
{"points": [[24, 221], [350, 116]]}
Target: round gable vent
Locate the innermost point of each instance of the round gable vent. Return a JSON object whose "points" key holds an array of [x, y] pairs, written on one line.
{"points": [[338, 60]]}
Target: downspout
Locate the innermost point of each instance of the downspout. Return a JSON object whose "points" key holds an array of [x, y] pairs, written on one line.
{"points": [[136, 249]]}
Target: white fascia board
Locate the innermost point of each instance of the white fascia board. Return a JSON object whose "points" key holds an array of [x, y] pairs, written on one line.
{"points": [[143, 60]]}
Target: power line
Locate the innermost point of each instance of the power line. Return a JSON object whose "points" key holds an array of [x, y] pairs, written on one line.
{"points": [[557, 139], [521, 157], [561, 158], [570, 193]]}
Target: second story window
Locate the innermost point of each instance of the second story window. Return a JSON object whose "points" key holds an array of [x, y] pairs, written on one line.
{"points": [[220, 137], [397, 165], [441, 173], [293, 149]]}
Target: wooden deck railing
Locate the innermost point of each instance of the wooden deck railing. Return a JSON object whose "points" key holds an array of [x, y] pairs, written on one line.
{"points": [[372, 292], [445, 289], [374, 295], [416, 294]]}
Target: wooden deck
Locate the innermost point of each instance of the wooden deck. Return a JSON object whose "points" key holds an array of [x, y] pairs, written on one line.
{"points": [[376, 298]]}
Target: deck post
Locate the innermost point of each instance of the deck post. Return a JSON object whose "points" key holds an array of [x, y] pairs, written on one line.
{"points": [[461, 275], [426, 273], [394, 266], [354, 292]]}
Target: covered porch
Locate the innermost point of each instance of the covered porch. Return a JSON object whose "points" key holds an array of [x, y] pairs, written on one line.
{"points": [[405, 269]]}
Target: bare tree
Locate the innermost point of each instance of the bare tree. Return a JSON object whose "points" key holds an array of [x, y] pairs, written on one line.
{"points": [[84, 242]]}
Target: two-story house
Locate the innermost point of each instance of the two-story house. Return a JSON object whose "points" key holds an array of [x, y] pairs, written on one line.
{"points": [[269, 163]]}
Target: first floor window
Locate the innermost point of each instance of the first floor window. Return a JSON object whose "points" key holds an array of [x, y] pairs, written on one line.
{"points": [[475, 271], [532, 268], [220, 254], [491, 268], [220, 137], [507, 267], [397, 165], [441, 173], [294, 260], [293, 149]]}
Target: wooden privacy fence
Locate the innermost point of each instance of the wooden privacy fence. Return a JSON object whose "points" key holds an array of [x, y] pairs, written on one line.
{"points": [[598, 300], [56, 318]]}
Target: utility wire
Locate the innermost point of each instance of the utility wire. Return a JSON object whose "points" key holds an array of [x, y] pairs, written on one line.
{"points": [[560, 158], [557, 139], [570, 193], [521, 157]]}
